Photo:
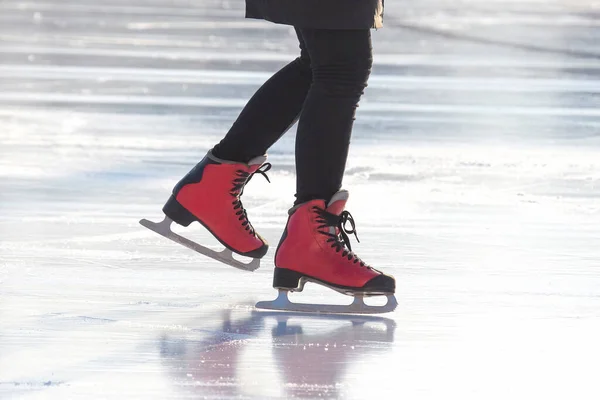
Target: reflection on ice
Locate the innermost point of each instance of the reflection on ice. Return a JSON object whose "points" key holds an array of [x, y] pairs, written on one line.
{"points": [[308, 356]]}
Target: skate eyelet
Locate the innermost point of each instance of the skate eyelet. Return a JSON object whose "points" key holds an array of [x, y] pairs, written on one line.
{"points": [[243, 177], [339, 240]]}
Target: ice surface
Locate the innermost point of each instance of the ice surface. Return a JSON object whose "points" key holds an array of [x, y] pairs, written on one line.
{"points": [[474, 177]]}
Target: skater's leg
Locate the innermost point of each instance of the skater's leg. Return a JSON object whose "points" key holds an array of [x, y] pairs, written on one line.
{"points": [[341, 63], [315, 245], [272, 110], [211, 192]]}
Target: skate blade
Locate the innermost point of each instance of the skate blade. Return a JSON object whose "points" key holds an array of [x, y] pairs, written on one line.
{"points": [[226, 256], [358, 306]]}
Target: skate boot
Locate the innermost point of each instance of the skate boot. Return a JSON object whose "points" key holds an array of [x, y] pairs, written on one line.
{"points": [[210, 194], [315, 248]]}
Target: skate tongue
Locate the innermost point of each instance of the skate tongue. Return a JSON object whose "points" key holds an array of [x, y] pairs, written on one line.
{"points": [[336, 205], [257, 161], [253, 164], [338, 202]]}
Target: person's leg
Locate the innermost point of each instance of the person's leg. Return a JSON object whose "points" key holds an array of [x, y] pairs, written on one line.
{"points": [[272, 110], [341, 62], [315, 243], [211, 192]]}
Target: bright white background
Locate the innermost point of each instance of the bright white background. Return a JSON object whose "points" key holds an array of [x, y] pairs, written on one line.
{"points": [[474, 178]]}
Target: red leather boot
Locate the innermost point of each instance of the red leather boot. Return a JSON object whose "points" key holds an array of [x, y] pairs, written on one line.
{"points": [[210, 194], [315, 247]]}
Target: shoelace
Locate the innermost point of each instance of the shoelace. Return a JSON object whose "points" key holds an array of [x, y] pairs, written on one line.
{"points": [[237, 190], [341, 241]]}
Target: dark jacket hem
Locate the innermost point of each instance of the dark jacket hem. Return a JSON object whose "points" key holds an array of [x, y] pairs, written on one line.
{"points": [[318, 14]]}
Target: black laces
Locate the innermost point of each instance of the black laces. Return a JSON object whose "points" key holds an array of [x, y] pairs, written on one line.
{"points": [[340, 241], [237, 190]]}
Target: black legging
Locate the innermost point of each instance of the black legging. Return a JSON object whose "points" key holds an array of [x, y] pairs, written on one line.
{"points": [[322, 87]]}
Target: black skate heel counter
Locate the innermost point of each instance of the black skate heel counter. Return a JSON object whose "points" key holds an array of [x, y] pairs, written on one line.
{"points": [[178, 213], [284, 235], [195, 175], [287, 279]]}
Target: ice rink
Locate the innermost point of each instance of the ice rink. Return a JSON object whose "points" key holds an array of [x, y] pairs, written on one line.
{"points": [[474, 178]]}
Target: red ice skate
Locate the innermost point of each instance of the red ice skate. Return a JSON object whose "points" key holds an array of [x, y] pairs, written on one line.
{"points": [[210, 194], [315, 247]]}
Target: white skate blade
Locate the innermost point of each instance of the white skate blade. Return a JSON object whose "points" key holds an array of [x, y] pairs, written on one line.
{"points": [[358, 306], [226, 256]]}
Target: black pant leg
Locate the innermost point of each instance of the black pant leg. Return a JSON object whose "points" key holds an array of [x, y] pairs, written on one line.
{"points": [[341, 62], [271, 112]]}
